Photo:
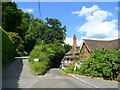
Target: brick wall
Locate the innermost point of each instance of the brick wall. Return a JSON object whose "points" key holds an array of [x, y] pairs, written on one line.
{"points": [[84, 52]]}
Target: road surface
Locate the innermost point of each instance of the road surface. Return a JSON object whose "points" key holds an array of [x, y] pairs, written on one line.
{"points": [[19, 75]]}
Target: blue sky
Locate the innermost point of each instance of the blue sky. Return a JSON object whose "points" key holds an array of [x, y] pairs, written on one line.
{"points": [[85, 19]]}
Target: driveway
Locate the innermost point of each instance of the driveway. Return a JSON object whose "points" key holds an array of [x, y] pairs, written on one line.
{"points": [[19, 75]]}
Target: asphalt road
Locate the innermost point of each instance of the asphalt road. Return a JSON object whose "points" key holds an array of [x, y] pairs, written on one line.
{"points": [[56, 79], [19, 75]]}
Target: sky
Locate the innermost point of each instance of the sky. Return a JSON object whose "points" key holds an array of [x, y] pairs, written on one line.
{"points": [[88, 20]]}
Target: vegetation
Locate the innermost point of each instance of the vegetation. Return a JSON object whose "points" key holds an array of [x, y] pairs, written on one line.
{"points": [[11, 16], [34, 37], [19, 48], [69, 69], [59, 53], [67, 47], [7, 48], [44, 53], [49, 56], [101, 63]]}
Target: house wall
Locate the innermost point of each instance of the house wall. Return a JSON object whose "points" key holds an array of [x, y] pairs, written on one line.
{"points": [[84, 53]]}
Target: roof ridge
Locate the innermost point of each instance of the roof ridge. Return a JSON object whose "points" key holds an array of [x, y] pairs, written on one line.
{"points": [[100, 40]]}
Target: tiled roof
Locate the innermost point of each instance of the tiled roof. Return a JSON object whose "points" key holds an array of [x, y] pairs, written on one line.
{"points": [[72, 51], [102, 44]]}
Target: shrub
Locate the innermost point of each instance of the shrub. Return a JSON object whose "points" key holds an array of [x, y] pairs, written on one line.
{"points": [[69, 69], [102, 63], [40, 68], [44, 54]]}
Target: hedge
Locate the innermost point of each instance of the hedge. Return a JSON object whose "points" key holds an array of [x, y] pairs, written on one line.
{"points": [[102, 63], [7, 48]]}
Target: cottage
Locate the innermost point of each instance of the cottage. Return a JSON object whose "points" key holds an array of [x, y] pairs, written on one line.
{"points": [[67, 60], [88, 46]]}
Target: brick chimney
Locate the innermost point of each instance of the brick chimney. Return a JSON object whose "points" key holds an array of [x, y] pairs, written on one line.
{"points": [[74, 42]]}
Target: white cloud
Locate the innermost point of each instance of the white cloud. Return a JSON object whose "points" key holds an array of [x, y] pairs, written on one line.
{"points": [[97, 25], [28, 10], [70, 41], [85, 11]]}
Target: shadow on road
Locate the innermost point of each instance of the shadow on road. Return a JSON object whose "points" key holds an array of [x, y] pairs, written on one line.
{"points": [[11, 74]]}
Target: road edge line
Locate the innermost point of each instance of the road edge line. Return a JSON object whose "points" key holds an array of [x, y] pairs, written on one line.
{"points": [[78, 79], [83, 81]]}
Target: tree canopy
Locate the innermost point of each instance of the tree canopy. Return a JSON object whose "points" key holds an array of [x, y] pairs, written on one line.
{"points": [[26, 31]]}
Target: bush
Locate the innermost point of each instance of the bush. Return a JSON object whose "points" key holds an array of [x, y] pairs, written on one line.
{"points": [[69, 69], [44, 54], [40, 68], [7, 48], [102, 63], [50, 55]]}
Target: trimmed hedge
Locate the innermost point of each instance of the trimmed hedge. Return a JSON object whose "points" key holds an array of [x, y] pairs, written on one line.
{"points": [[7, 48]]}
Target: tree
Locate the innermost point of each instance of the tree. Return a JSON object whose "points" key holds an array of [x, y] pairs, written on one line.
{"points": [[67, 47], [49, 32], [19, 48], [15, 38], [54, 31], [11, 16], [27, 19], [59, 53]]}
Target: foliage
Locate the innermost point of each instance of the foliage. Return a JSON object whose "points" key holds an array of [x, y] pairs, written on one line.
{"points": [[24, 26], [67, 47], [40, 68], [75, 58], [15, 38], [102, 63], [51, 53], [44, 53], [7, 48], [54, 31], [30, 29], [19, 48], [59, 53], [69, 69], [27, 32], [20, 51], [11, 16], [49, 31]]}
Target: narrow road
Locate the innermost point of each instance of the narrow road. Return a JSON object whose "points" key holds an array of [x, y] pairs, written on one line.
{"points": [[56, 79], [19, 75]]}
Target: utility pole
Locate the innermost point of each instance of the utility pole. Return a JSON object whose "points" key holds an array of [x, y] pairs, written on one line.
{"points": [[39, 8]]}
